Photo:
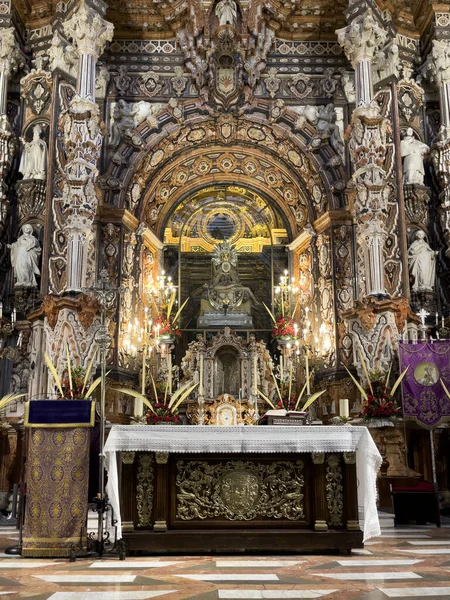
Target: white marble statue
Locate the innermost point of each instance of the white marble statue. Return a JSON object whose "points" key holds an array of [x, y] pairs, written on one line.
{"points": [[127, 116], [33, 162], [413, 152], [422, 263], [226, 12], [25, 254], [122, 120]]}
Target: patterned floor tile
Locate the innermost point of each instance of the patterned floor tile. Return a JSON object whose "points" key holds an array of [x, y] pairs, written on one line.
{"points": [[417, 592], [385, 566], [109, 595], [272, 594]]}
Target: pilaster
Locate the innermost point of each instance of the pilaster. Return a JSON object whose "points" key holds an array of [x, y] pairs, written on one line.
{"points": [[437, 70], [11, 58]]}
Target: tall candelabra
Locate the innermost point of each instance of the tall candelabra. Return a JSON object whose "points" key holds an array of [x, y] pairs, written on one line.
{"points": [[106, 295], [7, 329]]}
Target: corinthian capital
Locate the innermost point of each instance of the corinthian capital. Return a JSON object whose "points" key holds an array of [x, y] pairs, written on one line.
{"points": [[362, 39], [10, 55], [89, 30], [437, 65]]}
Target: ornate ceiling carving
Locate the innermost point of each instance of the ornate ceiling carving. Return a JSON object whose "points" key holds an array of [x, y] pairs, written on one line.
{"points": [[290, 19]]}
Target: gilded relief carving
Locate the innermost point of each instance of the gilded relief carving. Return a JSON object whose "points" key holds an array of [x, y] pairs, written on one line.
{"points": [[144, 490], [239, 490], [334, 489]]}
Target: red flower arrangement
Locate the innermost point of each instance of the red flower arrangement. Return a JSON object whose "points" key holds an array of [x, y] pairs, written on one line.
{"points": [[283, 327], [167, 327], [380, 402], [284, 401], [76, 391], [162, 414]]}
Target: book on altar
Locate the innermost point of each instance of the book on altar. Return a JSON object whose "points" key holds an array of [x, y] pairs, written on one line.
{"points": [[283, 417]]}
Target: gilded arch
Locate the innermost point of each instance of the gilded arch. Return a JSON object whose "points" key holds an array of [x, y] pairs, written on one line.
{"points": [[303, 178]]}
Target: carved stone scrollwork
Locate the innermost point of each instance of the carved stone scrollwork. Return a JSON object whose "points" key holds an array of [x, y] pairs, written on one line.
{"points": [[417, 199], [127, 457], [26, 299], [144, 489], [37, 89], [31, 198], [334, 489], [161, 458], [350, 458], [318, 458], [239, 490], [8, 147]]}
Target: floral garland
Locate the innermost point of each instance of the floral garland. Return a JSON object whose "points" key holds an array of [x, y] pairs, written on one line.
{"points": [[283, 327]]}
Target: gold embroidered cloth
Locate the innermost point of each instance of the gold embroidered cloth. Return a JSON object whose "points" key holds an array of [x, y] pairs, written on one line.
{"points": [[57, 491]]}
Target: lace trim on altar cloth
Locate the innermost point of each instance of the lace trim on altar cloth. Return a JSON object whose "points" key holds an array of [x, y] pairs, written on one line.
{"points": [[253, 440]]}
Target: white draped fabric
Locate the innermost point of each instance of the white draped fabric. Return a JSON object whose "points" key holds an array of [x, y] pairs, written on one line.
{"points": [[252, 440]]}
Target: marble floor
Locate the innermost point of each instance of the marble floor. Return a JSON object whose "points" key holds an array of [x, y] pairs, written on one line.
{"points": [[406, 562]]}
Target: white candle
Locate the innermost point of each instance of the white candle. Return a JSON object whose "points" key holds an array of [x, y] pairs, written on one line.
{"points": [[143, 373], [169, 359], [343, 408], [200, 387], [281, 367], [255, 374], [13, 317], [443, 321], [437, 317], [1, 310], [308, 387]]}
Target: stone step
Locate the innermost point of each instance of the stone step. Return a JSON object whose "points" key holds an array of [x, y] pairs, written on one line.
{"points": [[387, 520]]}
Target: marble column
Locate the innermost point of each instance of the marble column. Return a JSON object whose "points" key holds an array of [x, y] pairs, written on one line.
{"points": [[437, 70], [83, 141], [361, 40], [10, 59]]}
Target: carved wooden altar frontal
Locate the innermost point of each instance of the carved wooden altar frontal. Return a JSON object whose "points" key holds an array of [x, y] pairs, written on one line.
{"points": [[239, 490], [197, 495]]}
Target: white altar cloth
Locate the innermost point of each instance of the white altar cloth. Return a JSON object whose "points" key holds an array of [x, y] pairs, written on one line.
{"points": [[252, 440]]}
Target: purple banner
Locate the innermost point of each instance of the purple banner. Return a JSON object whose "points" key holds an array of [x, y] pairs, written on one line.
{"points": [[424, 398]]}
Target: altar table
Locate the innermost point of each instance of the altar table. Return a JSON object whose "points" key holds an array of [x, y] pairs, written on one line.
{"points": [[214, 488]]}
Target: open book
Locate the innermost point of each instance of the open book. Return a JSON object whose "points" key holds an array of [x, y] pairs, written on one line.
{"points": [[283, 417]]}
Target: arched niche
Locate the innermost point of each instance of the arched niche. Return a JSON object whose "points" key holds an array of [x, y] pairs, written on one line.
{"points": [[227, 371]]}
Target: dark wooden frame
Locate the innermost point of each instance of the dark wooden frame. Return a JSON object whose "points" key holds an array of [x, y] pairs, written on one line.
{"points": [[167, 534]]}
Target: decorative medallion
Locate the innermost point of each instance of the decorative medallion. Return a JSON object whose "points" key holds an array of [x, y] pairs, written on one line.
{"points": [[239, 491], [426, 373], [37, 89], [150, 84]]}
